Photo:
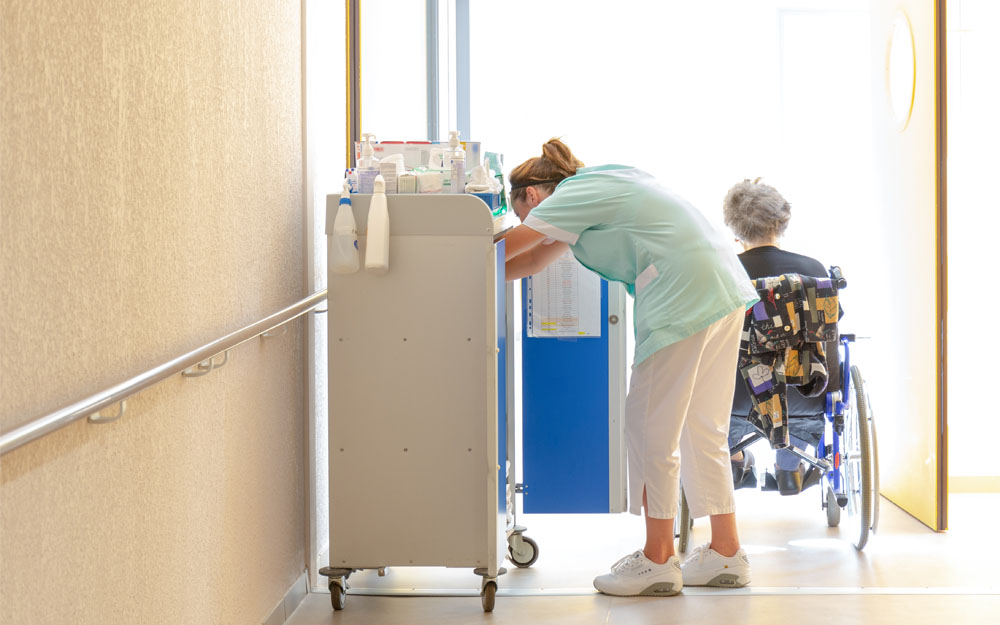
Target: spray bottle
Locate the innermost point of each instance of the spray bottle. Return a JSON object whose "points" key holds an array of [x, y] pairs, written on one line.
{"points": [[344, 251], [456, 156], [377, 252]]}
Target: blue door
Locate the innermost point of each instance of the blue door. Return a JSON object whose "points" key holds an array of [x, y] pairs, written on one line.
{"points": [[565, 408]]}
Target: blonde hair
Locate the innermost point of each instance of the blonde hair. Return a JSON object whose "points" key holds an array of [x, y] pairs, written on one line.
{"points": [[554, 165]]}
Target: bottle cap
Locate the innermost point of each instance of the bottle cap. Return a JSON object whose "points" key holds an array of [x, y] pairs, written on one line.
{"points": [[379, 186]]}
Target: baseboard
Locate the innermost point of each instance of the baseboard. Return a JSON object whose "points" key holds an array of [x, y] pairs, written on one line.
{"points": [[974, 484], [296, 593]]}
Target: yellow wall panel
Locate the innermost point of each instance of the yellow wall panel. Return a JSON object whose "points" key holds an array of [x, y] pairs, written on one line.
{"points": [[904, 383]]}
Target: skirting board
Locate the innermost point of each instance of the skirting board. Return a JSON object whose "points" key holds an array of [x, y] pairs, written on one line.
{"points": [[296, 593]]}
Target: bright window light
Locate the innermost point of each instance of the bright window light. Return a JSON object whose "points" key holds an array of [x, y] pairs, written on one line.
{"points": [[699, 94], [973, 221]]}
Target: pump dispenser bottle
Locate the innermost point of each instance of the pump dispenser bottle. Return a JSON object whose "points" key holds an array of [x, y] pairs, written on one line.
{"points": [[377, 251], [344, 252], [456, 156], [368, 165], [368, 159]]}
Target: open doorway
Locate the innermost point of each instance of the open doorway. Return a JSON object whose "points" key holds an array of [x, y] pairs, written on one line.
{"points": [[973, 134], [779, 89], [724, 91]]}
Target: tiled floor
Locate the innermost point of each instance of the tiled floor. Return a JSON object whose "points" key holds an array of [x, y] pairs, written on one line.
{"points": [[803, 572]]}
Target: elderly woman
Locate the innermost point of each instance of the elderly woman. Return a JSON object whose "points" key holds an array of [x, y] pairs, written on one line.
{"points": [[758, 215]]}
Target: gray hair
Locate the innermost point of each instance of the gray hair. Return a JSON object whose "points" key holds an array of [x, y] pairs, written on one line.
{"points": [[756, 212]]}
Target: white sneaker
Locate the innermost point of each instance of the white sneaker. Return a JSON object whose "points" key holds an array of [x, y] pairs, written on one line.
{"points": [[635, 574], [707, 567]]}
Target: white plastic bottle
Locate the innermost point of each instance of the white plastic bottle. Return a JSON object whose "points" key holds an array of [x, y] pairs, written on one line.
{"points": [[377, 251], [456, 158], [368, 165], [344, 256], [368, 159]]}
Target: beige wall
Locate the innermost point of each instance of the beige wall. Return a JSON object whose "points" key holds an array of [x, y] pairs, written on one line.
{"points": [[150, 201]]}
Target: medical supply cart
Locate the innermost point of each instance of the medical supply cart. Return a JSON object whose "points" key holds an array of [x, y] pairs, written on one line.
{"points": [[419, 434]]}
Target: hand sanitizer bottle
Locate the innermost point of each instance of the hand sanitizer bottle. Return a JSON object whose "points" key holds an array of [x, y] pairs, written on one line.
{"points": [[377, 251], [368, 165], [344, 251], [456, 156]]}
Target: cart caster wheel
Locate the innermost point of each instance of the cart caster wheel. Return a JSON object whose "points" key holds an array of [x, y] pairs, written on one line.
{"points": [[338, 596], [489, 595], [526, 555], [832, 509]]}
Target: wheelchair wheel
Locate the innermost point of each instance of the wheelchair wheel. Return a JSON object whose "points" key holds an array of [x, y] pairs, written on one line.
{"points": [[857, 463], [832, 509], [684, 523]]}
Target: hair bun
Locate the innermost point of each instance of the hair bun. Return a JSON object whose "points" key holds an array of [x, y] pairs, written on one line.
{"points": [[561, 157], [555, 164]]}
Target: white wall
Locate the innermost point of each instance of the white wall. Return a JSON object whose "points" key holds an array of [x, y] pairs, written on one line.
{"points": [[150, 201]]}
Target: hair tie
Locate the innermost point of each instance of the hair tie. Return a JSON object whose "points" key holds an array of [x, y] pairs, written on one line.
{"points": [[514, 187]]}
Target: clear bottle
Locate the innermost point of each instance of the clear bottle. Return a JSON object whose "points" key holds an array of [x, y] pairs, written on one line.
{"points": [[377, 250], [344, 256], [368, 165], [456, 160]]}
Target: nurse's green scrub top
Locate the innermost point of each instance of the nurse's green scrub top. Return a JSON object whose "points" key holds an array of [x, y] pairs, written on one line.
{"points": [[620, 223]]}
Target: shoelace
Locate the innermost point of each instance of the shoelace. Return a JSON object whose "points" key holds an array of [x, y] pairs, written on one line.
{"points": [[699, 552], [628, 562]]}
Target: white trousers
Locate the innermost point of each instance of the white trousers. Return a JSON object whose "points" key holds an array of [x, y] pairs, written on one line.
{"points": [[677, 422]]}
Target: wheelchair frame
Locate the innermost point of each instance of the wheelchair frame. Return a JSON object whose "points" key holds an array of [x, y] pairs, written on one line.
{"points": [[847, 453]]}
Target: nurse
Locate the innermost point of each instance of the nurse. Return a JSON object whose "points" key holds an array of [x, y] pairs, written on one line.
{"points": [[691, 294]]}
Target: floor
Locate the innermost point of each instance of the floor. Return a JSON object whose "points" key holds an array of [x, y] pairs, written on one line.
{"points": [[906, 573]]}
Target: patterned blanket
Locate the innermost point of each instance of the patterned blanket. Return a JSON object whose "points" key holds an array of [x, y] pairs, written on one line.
{"points": [[783, 344]]}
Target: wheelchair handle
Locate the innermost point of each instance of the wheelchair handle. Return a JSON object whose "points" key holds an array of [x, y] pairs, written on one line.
{"points": [[837, 277]]}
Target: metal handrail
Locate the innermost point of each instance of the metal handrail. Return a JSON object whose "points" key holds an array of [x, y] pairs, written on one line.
{"points": [[119, 393]]}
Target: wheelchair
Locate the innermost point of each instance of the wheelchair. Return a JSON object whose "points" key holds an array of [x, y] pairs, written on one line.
{"points": [[846, 460]]}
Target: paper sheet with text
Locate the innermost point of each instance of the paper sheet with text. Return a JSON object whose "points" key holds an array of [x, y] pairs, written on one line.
{"points": [[564, 300]]}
